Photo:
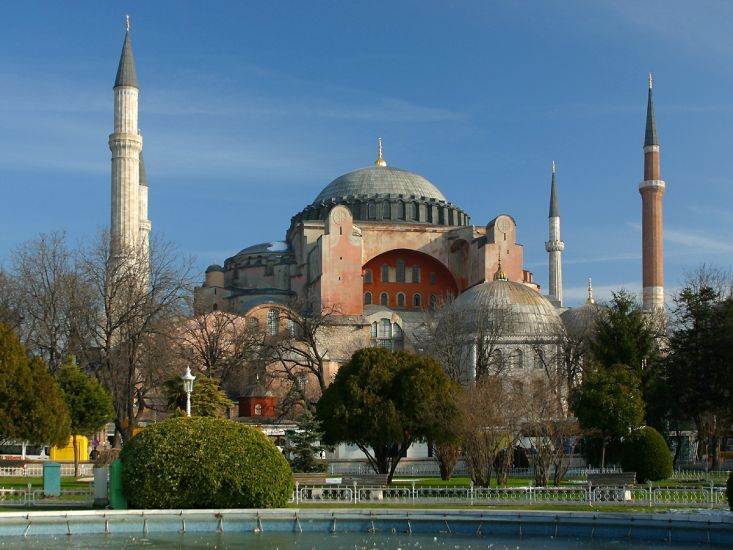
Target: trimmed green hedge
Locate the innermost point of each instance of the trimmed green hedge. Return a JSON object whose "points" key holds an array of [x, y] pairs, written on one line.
{"points": [[646, 453], [202, 462]]}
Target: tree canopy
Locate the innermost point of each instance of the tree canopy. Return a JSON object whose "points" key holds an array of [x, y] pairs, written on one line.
{"points": [[32, 407], [207, 398], [89, 404], [383, 401]]}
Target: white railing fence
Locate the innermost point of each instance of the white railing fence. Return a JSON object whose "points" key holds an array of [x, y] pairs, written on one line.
{"points": [[36, 470], [30, 497], [650, 495]]}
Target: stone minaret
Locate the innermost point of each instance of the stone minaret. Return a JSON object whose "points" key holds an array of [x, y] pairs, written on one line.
{"points": [[555, 245], [652, 189], [126, 145]]}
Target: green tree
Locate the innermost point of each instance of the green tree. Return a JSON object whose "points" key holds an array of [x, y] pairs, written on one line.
{"points": [[383, 401], [201, 462], [304, 446], [89, 404], [646, 453], [626, 335], [699, 372], [32, 407], [609, 403], [207, 398]]}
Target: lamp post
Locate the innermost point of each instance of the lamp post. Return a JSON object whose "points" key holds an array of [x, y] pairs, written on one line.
{"points": [[188, 379]]}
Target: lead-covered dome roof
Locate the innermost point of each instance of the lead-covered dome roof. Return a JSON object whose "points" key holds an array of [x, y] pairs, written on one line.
{"points": [[384, 194], [380, 180], [513, 309]]}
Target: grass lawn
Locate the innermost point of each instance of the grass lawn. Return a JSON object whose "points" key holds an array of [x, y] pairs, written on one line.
{"points": [[13, 482]]}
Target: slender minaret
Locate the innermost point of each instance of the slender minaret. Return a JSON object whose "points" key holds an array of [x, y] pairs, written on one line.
{"points": [[555, 245], [652, 189], [145, 225], [126, 145]]}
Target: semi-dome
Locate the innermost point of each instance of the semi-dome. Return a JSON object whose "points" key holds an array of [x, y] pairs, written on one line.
{"points": [[214, 268], [380, 180], [512, 308]]}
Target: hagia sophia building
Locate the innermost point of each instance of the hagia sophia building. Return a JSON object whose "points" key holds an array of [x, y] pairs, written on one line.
{"points": [[379, 246]]}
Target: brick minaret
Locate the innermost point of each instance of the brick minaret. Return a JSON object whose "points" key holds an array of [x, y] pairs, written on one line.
{"points": [[126, 145], [555, 245], [652, 189]]}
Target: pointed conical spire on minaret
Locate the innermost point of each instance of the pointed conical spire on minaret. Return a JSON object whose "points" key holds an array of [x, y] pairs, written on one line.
{"points": [[126, 73], [380, 160], [590, 299], [554, 204], [650, 136]]}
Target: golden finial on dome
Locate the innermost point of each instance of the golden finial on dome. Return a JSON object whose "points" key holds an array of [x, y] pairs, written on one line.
{"points": [[500, 275], [127, 23], [380, 160], [590, 299]]}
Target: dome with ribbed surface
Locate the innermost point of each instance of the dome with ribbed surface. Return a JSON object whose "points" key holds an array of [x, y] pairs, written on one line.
{"points": [[380, 180], [512, 308], [581, 321]]}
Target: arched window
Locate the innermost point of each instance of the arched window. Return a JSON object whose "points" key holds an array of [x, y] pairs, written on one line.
{"points": [[415, 273], [539, 359], [384, 329], [401, 210], [518, 359], [258, 410], [367, 298], [292, 328], [367, 276], [384, 299], [400, 299], [416, 300], [433, 278], [386, 213], [400, 271], [432, 301], [415, 211], [273, 322], [253, 322], [214, 307], [385, 273], [386, 334], [372, 211], [496, 360]]}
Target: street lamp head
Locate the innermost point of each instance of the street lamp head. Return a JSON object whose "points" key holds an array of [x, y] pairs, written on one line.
{"points": [[188, 379]]}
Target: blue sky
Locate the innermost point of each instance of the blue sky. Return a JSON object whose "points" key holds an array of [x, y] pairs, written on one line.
{"points": [[249, 109]]}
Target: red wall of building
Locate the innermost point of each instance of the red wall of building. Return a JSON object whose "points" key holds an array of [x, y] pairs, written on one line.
{"points": [[444, 282]]}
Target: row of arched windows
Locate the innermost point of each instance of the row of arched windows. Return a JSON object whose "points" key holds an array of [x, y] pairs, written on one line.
{"points": [[400, 299], [400, 274]]}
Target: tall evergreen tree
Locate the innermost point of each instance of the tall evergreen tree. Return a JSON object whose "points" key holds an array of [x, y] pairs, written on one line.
{"points": [[32, 407]]}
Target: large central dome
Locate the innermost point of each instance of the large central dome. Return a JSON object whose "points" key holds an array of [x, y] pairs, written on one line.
{"points": [[382, 194], [380, 180]]}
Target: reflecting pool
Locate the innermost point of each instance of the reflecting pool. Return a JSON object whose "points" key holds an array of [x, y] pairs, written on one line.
{"points": [[320, 541]]}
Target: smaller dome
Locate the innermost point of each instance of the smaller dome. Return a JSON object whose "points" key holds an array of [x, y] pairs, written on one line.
{"points": [[580, 321], [517, 309], [272, 247], [214, 268]]}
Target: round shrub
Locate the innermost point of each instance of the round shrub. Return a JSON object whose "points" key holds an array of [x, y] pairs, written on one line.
{"points": [[646, 453], [729, 490], [203, 462]]}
